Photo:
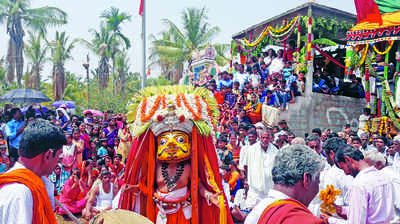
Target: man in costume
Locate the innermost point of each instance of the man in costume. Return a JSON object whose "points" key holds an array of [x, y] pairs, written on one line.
{"points": [[172, 173], [23, 193], [295, 174]]}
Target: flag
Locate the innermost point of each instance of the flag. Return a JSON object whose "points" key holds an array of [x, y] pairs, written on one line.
{"points": [[141, 8], [368, 11]]}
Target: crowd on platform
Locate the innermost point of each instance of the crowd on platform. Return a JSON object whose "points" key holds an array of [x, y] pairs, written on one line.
{"points": [[266, 79]]}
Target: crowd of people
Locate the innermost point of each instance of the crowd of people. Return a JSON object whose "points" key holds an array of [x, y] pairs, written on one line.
{"points": [[267, 79], [90, 173], [93, 156]]}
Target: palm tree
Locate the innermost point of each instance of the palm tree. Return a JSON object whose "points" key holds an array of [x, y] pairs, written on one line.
{"points": [[122, 67], [60, 53], [103, 44], [176, 46], [35, 50], [114, 18], [17, 14]]}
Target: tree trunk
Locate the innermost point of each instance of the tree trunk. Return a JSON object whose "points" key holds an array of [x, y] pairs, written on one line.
{"points": [[28, 77], [19, 63], [35, 77], [11, 61], [59, 83]]}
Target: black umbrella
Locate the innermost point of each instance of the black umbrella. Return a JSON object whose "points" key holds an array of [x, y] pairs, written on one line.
{"points": [[22, 96]]}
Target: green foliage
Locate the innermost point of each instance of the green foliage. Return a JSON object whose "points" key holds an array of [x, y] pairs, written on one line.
{"points": [[175, 46]]}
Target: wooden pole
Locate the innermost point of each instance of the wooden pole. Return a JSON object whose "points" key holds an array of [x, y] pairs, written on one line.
{"points": [[70, 215]]}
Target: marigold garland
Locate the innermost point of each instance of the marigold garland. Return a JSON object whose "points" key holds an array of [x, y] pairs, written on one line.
{"points": [[196, 116], [364, 55], [164, 104], [266, 31], [143, 116], [386, 51]]}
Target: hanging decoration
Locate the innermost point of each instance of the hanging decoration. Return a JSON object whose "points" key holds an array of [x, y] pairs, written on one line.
{"points": [[387, 50], [364, 55], [270, 29], [309, 39]]}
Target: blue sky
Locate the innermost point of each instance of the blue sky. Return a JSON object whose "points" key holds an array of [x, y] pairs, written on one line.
{"points": [[231, 16]]}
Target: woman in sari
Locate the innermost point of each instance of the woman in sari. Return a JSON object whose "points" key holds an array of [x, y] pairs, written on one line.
{"points": [[111, 132], [73, 194], [253, 109], [87, 153], [233, 146], [79, 143], [58, 177], [125, 143]]}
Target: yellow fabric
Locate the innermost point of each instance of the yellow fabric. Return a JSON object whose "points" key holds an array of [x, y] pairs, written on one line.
{"points": [[389, 19], [211, 180]]}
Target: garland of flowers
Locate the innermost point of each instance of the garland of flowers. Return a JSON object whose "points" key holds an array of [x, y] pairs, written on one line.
{"points": [[164, 104], [386, 51], [364, 55], [240, 48], [196, 116], [367, 126], [293, 26], [382, 125], [373, 125], [143, 117], [266, 31], [287, 37]]}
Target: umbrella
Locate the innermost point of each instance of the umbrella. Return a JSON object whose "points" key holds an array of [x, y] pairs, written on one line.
{"points": [[22, 96], [69, 104], [96, 113]]}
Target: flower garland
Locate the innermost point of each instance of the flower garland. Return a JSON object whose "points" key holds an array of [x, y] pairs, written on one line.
{"points": [[285, 33], [373, 125], [287, 37], [143, 117], [367, 126], [196, 116], [386, 51], [266, 31], [364, 55], [383, 125], [164, 104]]}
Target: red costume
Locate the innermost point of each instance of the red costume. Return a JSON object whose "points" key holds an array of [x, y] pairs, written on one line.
{"points": [[141, 166]]}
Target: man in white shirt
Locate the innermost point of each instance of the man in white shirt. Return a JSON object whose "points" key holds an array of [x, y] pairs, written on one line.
{"points": [[260, 158], [295, 175], [23, 194], [371, 195], [332, 175], [375, 158]]}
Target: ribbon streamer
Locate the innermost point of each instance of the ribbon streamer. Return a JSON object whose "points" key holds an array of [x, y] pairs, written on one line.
{"points": [[327, 56]]}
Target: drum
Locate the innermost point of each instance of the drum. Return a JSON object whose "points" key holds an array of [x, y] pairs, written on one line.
{"points": [[119, 216]]}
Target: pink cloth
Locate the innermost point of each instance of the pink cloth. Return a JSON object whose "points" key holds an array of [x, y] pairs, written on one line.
{"points": [[370, 199], [72, 198]]}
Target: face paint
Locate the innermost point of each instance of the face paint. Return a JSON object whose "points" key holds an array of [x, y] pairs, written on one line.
{"points": [[173, 146]]}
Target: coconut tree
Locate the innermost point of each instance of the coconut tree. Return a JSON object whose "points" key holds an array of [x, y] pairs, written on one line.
{"points": [[102, 44], [35, 49], [18, 15], [122, 69], [61, 49], [176, 46], [113, 19]]}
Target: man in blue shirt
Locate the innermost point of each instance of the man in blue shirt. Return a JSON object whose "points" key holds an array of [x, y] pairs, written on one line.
{"points": [[14, 129]]}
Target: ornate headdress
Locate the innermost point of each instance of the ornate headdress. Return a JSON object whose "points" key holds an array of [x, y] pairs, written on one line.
{"points": [[173, 108]]}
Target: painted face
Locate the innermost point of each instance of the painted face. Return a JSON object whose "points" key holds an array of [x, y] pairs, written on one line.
{"points": [[173, 146]]}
